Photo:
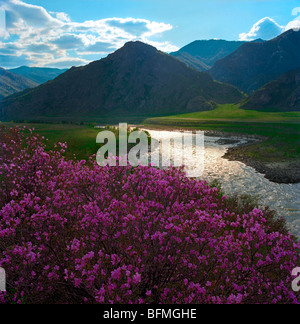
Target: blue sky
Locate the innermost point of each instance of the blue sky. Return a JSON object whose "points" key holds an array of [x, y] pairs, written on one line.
{"points": [[62, 33]]}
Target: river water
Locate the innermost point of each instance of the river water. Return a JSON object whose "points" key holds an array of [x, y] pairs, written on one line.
{"points": [[238, 178]]}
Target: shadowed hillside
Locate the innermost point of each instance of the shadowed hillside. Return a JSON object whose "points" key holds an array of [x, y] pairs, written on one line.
{"points": [[202, 54], [38, 75], [280, 95], [11, 83], [254, 64], [191, 61]]}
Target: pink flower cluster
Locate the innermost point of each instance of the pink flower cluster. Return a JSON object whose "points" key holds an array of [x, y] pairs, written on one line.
{"points": [[74, 232]]}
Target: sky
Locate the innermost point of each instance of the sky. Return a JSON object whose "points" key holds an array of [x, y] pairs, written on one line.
{"points": [[65, 33]]}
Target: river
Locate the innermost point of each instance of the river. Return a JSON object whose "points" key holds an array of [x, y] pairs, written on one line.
{"points": [[238, 178]]}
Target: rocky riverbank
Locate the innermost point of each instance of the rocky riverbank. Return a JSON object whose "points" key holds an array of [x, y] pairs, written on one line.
{"points": [[286, 171], [278, 171]]}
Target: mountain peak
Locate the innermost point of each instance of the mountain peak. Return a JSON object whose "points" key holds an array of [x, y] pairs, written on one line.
{"points": [[135, 48], [202, 54], [258, 40], [138, 44]]}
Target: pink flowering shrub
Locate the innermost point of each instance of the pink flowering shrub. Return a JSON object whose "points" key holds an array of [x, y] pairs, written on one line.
{"points": [[74, 232]]}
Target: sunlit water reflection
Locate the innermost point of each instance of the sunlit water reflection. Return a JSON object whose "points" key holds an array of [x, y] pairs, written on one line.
{"points": [[238, 178]]}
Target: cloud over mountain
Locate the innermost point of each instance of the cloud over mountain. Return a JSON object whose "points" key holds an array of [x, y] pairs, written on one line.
{"points": [[267, 28], [37, 37]]}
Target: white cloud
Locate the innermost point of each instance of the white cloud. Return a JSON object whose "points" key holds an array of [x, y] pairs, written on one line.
{"points": [[62, 62], [164, 46], [62, 16], [295, 24], [48, 38], [68, 42], [266, 29], [20, 13], [296, 12]]}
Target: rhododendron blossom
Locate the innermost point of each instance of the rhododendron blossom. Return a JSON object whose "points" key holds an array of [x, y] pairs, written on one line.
{"points": [[74, 232]]}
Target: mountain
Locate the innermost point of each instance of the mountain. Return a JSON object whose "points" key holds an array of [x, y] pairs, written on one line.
{"points": [[11, 83], [135, 80], [280, 95], [191, 61], [254, 64], [38, 75], [206, 52]]}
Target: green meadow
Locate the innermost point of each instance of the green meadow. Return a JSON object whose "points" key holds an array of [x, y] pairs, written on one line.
{"points": [[280, 130], [230, 113]]}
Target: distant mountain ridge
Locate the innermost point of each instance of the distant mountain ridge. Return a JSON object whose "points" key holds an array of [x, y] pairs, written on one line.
{"points": [[135, 80], [202, 54], [37, 74], [254, 64], [11, 83], [279, 95], [191, 61]]}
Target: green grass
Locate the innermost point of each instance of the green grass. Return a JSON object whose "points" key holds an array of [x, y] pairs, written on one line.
{"points": [[108, 119], [234, 113]]}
